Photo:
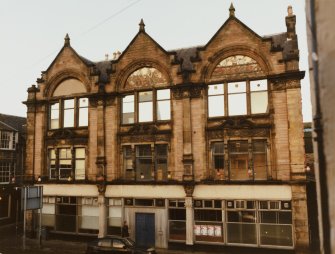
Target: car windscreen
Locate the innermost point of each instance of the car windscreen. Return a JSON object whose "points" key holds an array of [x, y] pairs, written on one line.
{"points": [[129, 241]]}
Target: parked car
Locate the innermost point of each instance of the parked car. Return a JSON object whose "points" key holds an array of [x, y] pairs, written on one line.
{"points": [[116, 244]]}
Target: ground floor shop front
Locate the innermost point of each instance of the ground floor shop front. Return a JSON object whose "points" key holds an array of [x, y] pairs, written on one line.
{"points": [[240, 215]]}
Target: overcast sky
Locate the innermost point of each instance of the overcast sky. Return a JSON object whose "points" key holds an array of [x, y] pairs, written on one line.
{"points": [[32, 33]]}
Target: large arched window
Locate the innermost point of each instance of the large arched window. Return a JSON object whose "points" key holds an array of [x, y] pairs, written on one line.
{"points": [[150, 103], [247, 96], [70, 109]]}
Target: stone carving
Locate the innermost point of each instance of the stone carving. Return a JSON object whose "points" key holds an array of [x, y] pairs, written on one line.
{"points": [[189, 188], [146, 77], [190, 91], [236, 65]]}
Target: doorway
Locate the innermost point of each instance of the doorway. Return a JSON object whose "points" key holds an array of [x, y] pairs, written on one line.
{"points": [[145, 229]]}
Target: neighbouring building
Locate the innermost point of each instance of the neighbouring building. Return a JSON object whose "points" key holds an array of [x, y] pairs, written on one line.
{"points": [[196, 145], [321, 37], [12, 154]]}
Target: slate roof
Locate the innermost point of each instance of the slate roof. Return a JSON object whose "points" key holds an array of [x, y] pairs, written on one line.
{"points": [[9, 122]]}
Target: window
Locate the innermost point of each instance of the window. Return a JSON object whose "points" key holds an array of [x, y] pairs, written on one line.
{"points": [[238, 160], [66, 163], [150, 162], [216, 100], [5, 171], [145, 109], [259, 159], [114, 216], [237, 99], [218, 157], [258, 96], [245, 97], [69, 113], [177, 220], [7, 140], [128, 109], [151, 106]]}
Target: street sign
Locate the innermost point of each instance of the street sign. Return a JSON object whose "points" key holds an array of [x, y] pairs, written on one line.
{"points": [[31, 197]]}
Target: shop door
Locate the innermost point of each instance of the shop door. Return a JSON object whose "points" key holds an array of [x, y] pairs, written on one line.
{"points": [[145, 229]]}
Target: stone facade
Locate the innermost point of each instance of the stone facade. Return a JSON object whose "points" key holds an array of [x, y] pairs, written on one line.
{"points": [[152, 137]]}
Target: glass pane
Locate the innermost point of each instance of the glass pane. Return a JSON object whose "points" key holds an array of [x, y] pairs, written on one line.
{"points": [[218, 147], [260, 168], [128, 104], [239, 167], [52, 154], [177, 230], [238, 146], [145, 96], [80, 152], [65, 153], [278, 235], [69, 103], [83, 117], [241, 233], [54, 122], [237, 104], [161, 150], [258, 85], [69, 118], [80, 170], [83, 102], [236, 87], [163, 110], [259, 102], [144, 150], [145, 112], [215, 89], [163, 94], [215, 106]]}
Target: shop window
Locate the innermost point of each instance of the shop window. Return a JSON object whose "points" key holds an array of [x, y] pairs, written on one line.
{"points": [[275, 218], [177, 220], [241, 222], [69, 113], [114, 216], [88, 211]]}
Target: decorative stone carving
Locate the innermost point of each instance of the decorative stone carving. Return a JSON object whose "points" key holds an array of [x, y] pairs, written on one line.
{"points": [[285, 84], [190, 91], [146, 77], [236, 65], [189, 188]]}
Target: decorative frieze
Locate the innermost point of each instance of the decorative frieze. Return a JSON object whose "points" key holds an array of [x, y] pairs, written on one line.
{"points": [[190, 91]]}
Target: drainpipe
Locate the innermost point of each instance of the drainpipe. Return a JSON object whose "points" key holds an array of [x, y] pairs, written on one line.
{"points": [[318, 129]]}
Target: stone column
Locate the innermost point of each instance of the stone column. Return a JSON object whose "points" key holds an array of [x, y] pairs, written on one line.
{"points": [[189, 220], [102, 212]]}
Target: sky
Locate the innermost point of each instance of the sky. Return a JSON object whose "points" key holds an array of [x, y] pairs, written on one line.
{"points": [[33, 33]]}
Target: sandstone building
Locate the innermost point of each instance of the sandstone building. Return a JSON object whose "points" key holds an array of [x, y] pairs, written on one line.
{"points": [[12, 153], [196, 145]]}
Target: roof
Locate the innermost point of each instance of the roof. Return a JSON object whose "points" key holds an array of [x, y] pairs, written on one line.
{"points": [[103, 68], [185, 56], [10, 122]]}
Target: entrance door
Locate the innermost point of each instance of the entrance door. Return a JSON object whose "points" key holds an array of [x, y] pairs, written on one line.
{"points": [[145, 229]]}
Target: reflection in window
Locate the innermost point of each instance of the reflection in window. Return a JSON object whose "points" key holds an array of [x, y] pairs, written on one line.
{"points": [[65, 165], [237, 98], [163, 104], [128, 109], [80, 164], [259, 159], [258, 96], [145, 106], [143, 162], [161, 162], [238, 160], [216, 100], [218, 158]]}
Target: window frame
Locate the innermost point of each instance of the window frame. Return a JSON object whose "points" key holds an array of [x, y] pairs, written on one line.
{"points": [[154, 104], [77, 109], [248, 97]]}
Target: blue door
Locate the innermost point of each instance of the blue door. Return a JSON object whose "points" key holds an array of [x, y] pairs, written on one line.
{"points": [[145, 229]]}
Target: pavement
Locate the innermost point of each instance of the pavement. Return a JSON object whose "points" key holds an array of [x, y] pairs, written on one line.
{"points": [[12, 242]]}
